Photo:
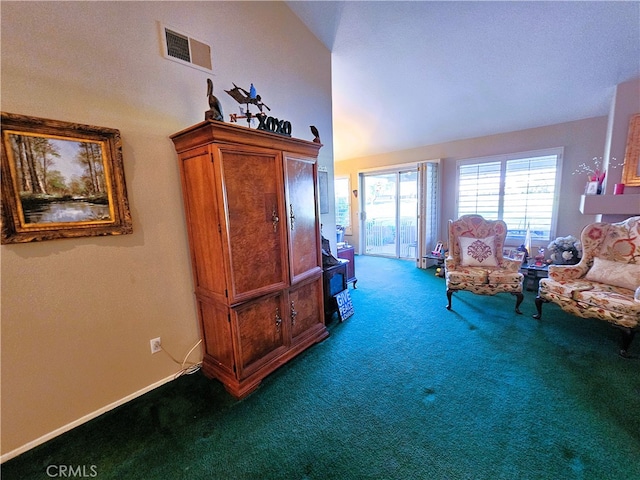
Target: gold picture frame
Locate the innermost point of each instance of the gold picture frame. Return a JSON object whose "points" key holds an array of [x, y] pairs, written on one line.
{"points": [[631, 168], [61, 180]]}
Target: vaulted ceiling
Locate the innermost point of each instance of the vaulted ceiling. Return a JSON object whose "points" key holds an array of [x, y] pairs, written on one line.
{"points": [[407, 74]]}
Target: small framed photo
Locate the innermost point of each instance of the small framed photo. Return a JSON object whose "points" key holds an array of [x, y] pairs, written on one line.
{"points": [[518, 255], [591, 189], [61, 180], [513, 254]]}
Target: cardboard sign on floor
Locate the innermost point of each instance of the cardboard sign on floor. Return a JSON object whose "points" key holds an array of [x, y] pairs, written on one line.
{"points": [[345, 307]]}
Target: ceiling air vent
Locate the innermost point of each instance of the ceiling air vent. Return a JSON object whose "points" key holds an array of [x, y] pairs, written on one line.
{"points": [[182, 48]]}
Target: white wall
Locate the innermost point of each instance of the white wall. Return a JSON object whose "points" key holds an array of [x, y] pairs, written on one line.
{"points": [[77, 314], [625, 104]]}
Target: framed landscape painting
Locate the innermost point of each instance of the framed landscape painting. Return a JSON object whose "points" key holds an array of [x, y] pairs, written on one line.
{"points": [[61, 180]]}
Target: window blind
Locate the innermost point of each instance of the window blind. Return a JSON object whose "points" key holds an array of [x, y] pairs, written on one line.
{"points": [[479, 190], [519, 189], [528, 196]]}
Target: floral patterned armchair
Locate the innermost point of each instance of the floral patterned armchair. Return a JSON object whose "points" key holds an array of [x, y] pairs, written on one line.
{"points": [[475, 262], [605, 284]]}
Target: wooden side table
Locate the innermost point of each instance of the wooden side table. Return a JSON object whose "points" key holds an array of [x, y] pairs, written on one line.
{"points": [[347, 252]]}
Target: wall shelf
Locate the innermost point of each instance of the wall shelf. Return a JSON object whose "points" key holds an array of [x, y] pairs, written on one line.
{"points": [[626, 204]]}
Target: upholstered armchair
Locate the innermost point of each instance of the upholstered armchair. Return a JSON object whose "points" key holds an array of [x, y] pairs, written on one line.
{"points": [[605, 284], [475, 262]]}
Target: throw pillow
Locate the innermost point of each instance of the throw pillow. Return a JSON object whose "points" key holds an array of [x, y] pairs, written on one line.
{"points": [[619, 274], [478, 252]]}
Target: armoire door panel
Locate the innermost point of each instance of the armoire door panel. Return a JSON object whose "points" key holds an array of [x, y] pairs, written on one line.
{"points": [[255, 222], [304, 242], [305, 308], [260, 332]]}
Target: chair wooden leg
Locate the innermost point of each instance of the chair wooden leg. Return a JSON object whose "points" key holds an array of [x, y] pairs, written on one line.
{"points": [[539, 302], [519, 299], [627, 338], [449, 293]]}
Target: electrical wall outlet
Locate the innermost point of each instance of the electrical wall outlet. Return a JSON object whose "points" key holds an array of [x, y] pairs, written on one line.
{"points": [[156, 346]]}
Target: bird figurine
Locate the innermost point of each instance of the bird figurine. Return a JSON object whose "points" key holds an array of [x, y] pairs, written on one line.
{"points": [[215, 109], [316, 134]]}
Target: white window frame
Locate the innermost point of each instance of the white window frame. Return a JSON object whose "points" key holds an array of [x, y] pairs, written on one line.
{"points": [[348, 230], [503, 159]]}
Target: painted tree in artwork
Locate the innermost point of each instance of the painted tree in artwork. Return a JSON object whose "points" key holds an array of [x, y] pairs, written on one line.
{"points": [[46, 153], [34, 159], [90, 157], [56, 184], [25, 166]]}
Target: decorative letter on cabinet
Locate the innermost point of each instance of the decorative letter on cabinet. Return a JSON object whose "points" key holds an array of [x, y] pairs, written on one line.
{"points": [[251, 206]]}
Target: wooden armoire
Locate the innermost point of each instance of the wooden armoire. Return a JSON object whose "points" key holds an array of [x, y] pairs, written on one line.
{"points": [[251, 205]]}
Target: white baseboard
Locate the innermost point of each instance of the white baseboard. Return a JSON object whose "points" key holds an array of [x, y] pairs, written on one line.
{"points": [[84, 419]]}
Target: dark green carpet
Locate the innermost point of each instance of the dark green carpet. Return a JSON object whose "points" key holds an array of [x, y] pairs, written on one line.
{"points": [[402, 390]]}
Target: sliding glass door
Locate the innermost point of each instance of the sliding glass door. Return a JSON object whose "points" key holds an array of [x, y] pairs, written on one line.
{"points": [[390, 213]]}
